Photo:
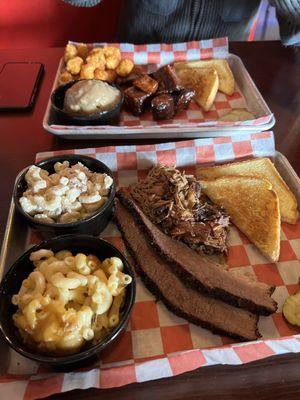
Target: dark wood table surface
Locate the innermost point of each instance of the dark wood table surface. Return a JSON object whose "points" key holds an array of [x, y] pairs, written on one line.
{"points": [[276, 72]]}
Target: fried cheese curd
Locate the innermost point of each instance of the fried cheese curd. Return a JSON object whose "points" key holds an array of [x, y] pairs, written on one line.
{"points": [[102, 63], [70, 52], [74, 65], [108, 76]]}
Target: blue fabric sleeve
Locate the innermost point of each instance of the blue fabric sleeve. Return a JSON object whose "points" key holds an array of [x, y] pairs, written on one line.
{"points": [[288, 15], [83, 3]]}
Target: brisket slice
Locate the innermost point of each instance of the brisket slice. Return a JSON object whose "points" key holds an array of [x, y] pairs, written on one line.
{"points": [[184, 301], [200, 272]]}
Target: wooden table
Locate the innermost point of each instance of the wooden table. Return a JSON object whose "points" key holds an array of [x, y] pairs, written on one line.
{"points": [[276, 72]]}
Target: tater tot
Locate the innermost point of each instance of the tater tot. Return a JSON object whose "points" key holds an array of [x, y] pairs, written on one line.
{"points": [[87, 71], [82, 50], [70, 52], [97, 61], [96, 56], [108, 76], [98, 51], [124, 68], [65, 77], [110, 51], [112, 62], [74, 65]]}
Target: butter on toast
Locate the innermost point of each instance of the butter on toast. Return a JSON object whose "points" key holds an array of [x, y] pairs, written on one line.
{"points": [[226, 78], [260, 168], [253, 207], [204, 81]]}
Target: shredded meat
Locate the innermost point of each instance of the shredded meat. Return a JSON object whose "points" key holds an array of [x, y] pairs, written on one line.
{"points": [[173, 201]]}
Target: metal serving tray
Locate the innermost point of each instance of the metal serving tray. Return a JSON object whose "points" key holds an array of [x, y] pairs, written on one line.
{"points": [[16, 235], [247, 87]]}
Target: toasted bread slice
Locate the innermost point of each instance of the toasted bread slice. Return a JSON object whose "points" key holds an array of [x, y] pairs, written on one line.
{"points": [[226, 78], [260, 168], [238, 114], [253, 207], [204, 81]]}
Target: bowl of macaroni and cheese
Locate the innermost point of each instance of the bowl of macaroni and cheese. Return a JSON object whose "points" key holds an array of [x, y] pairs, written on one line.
{"points": [[66, 194], [87, 102], [66, 300]]}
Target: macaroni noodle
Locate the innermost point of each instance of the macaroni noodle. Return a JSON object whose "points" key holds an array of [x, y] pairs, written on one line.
{"points": [[69, 300], [68, 195]]}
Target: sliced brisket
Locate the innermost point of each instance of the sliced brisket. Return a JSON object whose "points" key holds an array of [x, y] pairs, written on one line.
{"points": [[200, 272], [157, 275]]}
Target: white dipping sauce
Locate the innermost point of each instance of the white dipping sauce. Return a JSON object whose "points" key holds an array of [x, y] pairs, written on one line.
{"points": [[90, 96]]}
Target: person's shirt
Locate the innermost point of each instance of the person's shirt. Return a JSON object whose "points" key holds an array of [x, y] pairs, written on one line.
{"points": [[159, 21]]}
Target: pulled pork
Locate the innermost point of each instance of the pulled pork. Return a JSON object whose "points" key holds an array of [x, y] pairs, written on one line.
{"points": [[173, 201]]}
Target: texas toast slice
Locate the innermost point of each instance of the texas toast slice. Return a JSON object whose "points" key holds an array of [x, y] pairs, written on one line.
{"points": [[259, 168], [226, 78], [253, 207], [204, 81]]}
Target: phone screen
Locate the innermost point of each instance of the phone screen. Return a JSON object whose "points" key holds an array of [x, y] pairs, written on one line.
{"points": [[18, 84]]}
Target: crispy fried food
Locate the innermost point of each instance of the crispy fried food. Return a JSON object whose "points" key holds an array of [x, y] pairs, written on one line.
{"points": [[65, 77], [70, 52], [204, 81], [112, 56], [110, 51], [113, 61], [87, 71], [124, 68], [103, 63], [260, 168], [253, 207], [108, 76], [291, 309], [98, 51], [82, 50], [74, 65], [97, 59]]}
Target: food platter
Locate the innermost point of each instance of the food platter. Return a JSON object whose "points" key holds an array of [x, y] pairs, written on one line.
{"points": [[191, 123], [164, 352]]}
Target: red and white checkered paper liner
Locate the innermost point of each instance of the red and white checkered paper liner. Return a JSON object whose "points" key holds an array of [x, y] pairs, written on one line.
{"points": [[154, 55], [156, 343]]}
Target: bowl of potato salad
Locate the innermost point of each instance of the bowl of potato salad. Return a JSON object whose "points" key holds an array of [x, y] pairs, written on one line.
{"points": [[87, 102], [66, 194], [66, 299]]}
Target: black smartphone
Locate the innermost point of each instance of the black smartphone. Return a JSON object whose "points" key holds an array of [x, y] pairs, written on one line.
{"points": [[19, 83]]}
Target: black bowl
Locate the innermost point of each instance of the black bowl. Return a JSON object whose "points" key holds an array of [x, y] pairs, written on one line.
{"points": [[20, 270], [110, 117], [92, 225]]}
